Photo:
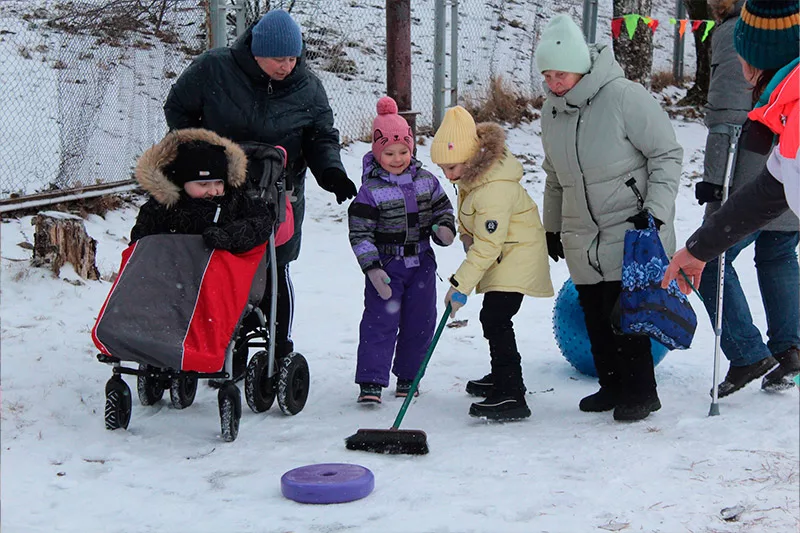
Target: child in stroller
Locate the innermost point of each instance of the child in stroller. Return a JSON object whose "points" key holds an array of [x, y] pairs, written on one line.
{"points": [[196, 267]]}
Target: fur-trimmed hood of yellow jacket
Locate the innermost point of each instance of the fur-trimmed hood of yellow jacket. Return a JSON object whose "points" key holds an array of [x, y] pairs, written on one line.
{"points": [[150, 169], [509, 250], [491, 149]]}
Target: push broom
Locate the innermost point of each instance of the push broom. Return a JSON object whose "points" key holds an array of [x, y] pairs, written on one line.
{"points": [[395, 440]]}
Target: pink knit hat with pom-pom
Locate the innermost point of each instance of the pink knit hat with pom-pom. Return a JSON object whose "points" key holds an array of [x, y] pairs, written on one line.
{"points": [[389, 128]]}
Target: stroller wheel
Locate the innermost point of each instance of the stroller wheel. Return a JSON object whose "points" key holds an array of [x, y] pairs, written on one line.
{"points": [[150, 388], [293, 381], [182, 390], [259, 389], [230, 411], [118, 404]]}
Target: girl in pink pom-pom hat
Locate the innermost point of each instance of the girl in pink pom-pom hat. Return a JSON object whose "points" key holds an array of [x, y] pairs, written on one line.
{"points": [[398, 210]]}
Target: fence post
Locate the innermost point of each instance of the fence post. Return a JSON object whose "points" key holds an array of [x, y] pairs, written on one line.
{"points": [[398, 58], [453, 53], [677, 50], [438, 62], [241, 17], [213, 9], [590, 21], [217, 14]]}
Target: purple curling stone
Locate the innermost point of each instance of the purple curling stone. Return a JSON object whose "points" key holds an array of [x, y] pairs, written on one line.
{"points": [[327, 483]]}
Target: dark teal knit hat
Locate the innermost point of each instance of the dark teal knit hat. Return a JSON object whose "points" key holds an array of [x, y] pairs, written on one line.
{"points": [[767, 34]]}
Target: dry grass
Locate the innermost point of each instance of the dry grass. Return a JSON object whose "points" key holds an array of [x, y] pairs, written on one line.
{"points": [[502, 102], [663, 79]]}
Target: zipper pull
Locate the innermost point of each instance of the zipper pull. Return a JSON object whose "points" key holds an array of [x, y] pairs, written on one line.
{"points": [[269, 87], [216, 214]]}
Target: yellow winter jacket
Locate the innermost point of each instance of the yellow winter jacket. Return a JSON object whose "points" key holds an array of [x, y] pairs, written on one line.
{"points": [[509, 250]]}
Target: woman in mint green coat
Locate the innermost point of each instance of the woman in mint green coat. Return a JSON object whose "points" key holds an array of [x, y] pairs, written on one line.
{"points": [[611, 160]]}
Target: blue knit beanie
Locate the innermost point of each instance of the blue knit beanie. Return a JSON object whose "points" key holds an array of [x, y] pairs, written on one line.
{"points": [[276, 35], [767, 34]]}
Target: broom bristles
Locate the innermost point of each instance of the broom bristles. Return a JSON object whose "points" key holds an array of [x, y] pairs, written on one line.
{"points": [[389, 441]]}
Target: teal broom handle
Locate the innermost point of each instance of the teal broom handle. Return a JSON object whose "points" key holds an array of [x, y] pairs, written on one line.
{"points": [[422, 367]]}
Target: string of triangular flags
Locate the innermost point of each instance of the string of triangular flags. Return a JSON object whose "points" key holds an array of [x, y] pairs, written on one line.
{"points": [[632, 21]]}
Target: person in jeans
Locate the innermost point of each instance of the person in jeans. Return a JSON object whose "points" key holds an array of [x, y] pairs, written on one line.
{"points": [[765, 38]]}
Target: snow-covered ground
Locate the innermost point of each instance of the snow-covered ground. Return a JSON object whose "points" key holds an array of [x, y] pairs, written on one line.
{"points": [[560, 471]]}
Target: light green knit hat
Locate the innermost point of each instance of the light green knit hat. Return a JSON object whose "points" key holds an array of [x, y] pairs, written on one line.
{"points": [[562, 47]]}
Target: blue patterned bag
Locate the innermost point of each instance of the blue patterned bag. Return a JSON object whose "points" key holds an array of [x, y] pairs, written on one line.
{"points": [[645, 308]]}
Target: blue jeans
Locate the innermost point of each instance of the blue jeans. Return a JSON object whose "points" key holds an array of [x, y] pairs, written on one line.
{"points": [[779, 281]]}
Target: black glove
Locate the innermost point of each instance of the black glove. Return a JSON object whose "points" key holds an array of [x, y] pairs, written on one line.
{"points": [[554, 247], [707, 192], [336, 181], [641, 220], [217, 238]]}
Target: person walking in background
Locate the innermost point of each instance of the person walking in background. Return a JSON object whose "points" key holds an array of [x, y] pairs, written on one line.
{"points": [[260, 89], [612, 161], [766, 38], [506, 251], [730, 98], [398, 209]]}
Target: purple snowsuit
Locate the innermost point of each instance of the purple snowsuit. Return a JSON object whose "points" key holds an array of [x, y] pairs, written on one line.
{"points": [[390, 224]]}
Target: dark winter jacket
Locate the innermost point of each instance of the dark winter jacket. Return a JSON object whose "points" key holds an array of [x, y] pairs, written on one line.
{"points": [[243, 222], [729, 101], [393, 215], [224, 90]]}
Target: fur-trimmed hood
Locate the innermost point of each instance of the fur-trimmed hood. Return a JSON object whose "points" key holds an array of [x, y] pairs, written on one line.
{"points": [[149, 170], [491, 149]]}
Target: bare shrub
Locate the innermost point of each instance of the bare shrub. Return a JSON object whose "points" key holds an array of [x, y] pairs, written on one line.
{"points": [[502, 102], [112, 20]]}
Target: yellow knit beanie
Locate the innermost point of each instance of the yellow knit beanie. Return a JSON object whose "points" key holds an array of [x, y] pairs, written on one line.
{"points": [[456, 141]]}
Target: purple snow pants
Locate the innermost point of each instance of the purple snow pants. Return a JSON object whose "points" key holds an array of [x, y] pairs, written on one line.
{"points": [[411, 309]]}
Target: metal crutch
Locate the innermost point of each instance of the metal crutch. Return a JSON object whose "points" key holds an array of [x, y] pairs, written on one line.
{"points": [[733, 131]]}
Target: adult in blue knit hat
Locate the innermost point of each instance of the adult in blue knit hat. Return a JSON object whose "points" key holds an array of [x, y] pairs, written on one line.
{"points": [[276, 35], [260, 90]]}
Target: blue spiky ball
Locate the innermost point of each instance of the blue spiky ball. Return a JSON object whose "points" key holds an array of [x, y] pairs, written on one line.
{"points": [[569, 328]]}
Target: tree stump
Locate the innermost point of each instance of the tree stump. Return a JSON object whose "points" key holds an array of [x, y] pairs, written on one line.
{"points": [[61, 238]]}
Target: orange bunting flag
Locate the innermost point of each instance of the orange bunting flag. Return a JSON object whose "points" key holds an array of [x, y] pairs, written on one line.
{"points": [[682, 29], [651, 23], [616, 27]]}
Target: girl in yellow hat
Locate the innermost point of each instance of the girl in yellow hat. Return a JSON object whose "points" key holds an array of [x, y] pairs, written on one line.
{"points": [[506, 250]]}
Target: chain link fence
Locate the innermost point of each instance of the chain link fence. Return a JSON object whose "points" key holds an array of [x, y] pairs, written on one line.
{"points": [[84, 86]]}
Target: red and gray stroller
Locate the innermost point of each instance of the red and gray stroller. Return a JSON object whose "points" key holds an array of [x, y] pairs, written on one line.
{"points": [[177, 307]]}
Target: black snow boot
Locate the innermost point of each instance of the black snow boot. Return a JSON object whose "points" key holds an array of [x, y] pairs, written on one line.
{"points": [[480, 387], [739, 376], [404, 387], [603, 400], [632, 411], [501, 408], [782, 377]]}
